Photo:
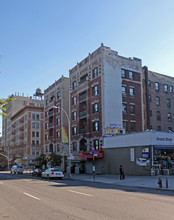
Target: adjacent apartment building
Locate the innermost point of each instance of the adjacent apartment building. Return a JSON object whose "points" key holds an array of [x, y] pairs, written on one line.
{"points": [[27, 135], [159, 100], [105, 100], [20, 101], [57, 118]]}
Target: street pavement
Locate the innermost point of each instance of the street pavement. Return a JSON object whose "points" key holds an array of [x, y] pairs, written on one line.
{"points": [[136, 181]]}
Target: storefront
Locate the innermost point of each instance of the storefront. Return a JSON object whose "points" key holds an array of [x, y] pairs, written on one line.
{"points": [[83, 162], [143, 153]]}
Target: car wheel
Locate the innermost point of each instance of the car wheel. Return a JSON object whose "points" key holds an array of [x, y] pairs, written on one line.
{"points": [[48, 177], [60, 178]]}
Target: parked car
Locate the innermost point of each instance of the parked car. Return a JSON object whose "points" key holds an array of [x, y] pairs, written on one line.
{"points": [[52, 173], [36, 172], [17, 169]]}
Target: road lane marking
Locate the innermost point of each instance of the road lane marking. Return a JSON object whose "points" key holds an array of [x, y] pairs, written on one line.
{"points": [[80, 193], [31, 196], [1, 183]]}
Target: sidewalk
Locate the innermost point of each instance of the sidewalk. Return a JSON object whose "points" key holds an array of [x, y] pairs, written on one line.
{"points": [[137, 181]]}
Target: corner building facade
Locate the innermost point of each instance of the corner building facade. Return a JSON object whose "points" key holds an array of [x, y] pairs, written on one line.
{"points": [[105, 100]]}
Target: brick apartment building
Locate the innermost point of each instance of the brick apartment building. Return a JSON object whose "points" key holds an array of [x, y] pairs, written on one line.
{"points": [[27, 135], [105, 99], [56, 121], [20, 101], [159, 100]]}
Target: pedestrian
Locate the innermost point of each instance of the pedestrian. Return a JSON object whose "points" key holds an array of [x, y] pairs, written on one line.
{"points": [[121, 171]]}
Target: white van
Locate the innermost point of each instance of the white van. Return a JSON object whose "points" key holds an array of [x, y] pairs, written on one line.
{"points": [[17, 169]]}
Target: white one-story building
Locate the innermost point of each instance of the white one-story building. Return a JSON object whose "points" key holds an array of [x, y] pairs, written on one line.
{"points": [[143, 153]]}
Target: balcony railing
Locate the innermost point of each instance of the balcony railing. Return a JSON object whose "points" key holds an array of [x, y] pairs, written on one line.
{"points": [[82, 97], [82, 130], [83, 113]]}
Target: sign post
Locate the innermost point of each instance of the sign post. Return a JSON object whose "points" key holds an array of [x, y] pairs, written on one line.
{"points": [[94, 153]]}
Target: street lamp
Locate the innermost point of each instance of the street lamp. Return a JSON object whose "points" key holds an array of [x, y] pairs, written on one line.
{"points": [[69, 141]]}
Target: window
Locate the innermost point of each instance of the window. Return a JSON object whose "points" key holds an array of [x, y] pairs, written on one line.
{"points": [[96, 144], [95, 90], [33, 151], [169, 128], [74, 85], [95, 107], [132, 126], [74, 100], [37, 125], [37, 142], [37, 151], [74, 116], [158, 114], [131, 75], [33, 125], [157, 100], [96, 126], [171, 89], [157, 86], [132, 109], [95, 72], [46, 114], [58, 95], [150, 98], [74, 130], [46, 137], [169, 117], [124, 90], [168, 103], [33, 142], [149, 83], [166, 88], [46, 125], [74, 145], [158, 128], [37, 134], [58, 134], [58, 108], [58, 148], [131, 91], [33, 134], [58, 121], [33, 116], [125, 125], [37, 116], [47, 102], [123, 73], [124, 108]]}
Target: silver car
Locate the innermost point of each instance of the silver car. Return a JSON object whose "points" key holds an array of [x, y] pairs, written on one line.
{"points": [[52, 173]]}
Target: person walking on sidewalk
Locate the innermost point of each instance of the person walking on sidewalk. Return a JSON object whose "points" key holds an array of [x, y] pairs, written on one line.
{"points": [[121, 171]]}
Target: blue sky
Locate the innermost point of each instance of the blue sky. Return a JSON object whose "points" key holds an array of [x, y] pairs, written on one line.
{"points": [[40, 40]]}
